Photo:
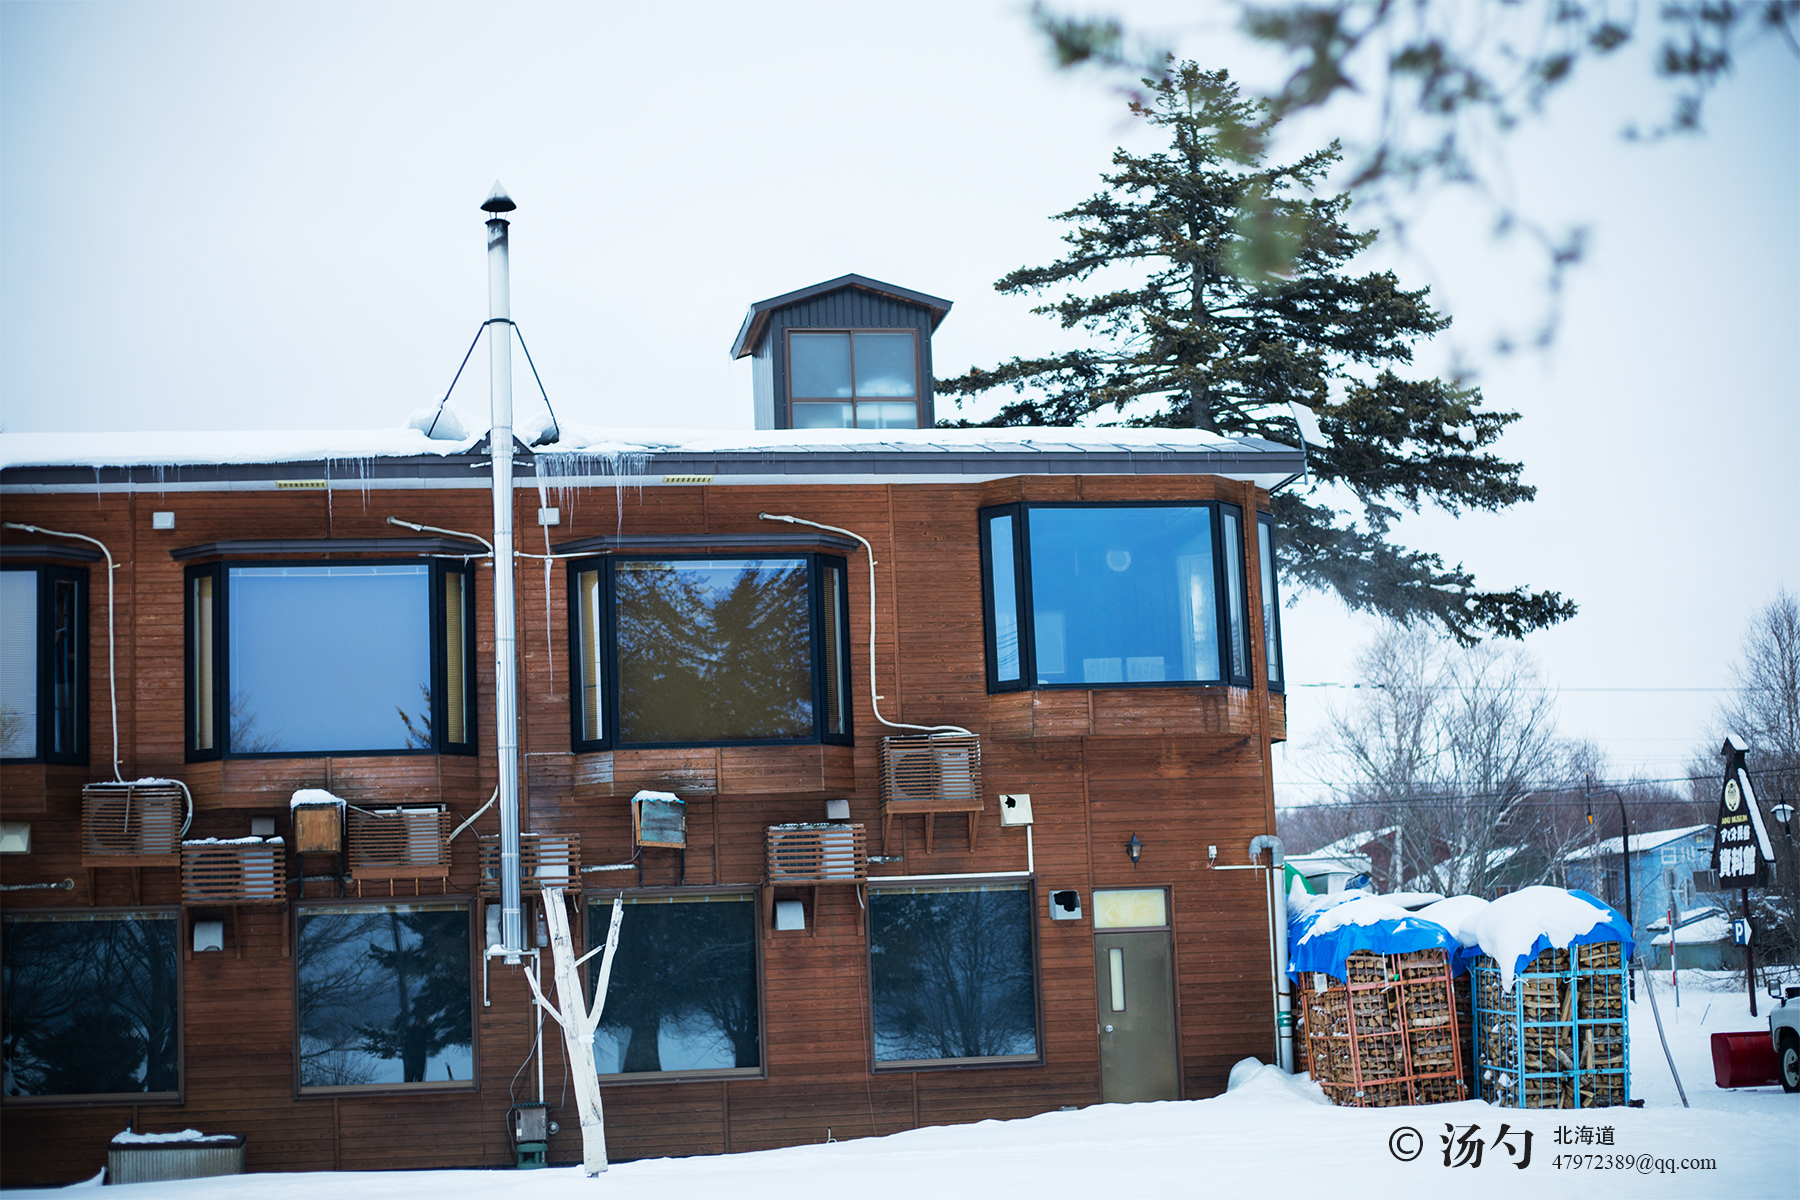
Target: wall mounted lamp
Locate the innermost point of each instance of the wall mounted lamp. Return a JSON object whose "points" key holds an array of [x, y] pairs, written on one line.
{"points": [[1134, 848]]}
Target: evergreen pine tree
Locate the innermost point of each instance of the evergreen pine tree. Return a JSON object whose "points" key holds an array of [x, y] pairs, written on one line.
{"points": [[1196, 327]]}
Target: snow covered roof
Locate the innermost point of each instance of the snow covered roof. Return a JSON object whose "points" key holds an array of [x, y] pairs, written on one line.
{"points": [[604, 456], [1714, 926], [1319, 862], [1349, 847], [1609, 847]]}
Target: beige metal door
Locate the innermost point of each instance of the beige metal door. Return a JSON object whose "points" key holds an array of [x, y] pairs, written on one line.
{"points": [[1135, 986]]}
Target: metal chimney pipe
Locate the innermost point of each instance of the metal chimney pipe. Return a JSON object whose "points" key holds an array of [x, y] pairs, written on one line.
{"points": [[506, 683]]}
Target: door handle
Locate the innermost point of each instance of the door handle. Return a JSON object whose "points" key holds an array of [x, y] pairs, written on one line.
{"points": [[1109, 1029]]}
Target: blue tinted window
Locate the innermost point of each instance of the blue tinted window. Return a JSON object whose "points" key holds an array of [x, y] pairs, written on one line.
{"points": [[1123, 595], [329, 658], [682, 995], [90, 1004], [951, 973], [1003, 596], [384, 995], [1271, 622]]}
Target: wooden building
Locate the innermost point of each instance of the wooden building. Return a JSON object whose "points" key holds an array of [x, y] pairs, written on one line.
{"points": [[1094, 608]]}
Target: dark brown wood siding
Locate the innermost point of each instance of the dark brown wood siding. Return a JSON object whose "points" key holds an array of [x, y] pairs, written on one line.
{"points": [[1181, 769]]}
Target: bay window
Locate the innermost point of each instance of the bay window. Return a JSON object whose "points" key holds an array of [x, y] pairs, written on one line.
{"points": [[43, 663], [1114, 595], [336, 658], [676, 651]]}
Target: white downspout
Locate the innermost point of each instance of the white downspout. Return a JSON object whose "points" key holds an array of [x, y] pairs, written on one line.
{"points": [[1284, 995], [506, 683]]}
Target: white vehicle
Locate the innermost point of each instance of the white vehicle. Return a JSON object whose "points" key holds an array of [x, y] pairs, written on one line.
{"points": [[1784, 1031]]}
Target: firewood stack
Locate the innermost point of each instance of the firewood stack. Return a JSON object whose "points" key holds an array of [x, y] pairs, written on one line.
{"points": [[1388, 1035], [1558, 1038]]}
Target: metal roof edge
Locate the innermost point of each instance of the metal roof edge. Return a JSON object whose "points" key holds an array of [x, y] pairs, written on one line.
{"points": [[750, 333]]}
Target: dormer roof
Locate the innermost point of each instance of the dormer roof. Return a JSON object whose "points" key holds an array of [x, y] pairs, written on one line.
{"points": [[756, 321]]}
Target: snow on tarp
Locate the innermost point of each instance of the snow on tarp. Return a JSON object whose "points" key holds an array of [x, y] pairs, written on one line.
{"points": [[1326, 936], [315, 798], [1454, 914], [243, 841], [1520, 925]]}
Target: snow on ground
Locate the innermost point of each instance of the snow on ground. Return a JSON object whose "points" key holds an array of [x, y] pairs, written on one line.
{"points": [[1269, 1131]]}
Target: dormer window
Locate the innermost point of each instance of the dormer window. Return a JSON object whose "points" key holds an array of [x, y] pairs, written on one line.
{"points": [[862, 379], [850, 353]]}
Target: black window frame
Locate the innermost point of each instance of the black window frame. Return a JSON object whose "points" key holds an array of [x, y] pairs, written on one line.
{"points": [[995, 1062], [220, 574], [918, 396], [1021, 511], [473, 908], [177, 1097], [600, 902], [817, 563], [1265, 521], [49, 575]]}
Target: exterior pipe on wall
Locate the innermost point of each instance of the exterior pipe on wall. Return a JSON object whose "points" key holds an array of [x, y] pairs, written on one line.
{"points": [[112, 670], [874, 700], [1284, 995], [506, 683]]}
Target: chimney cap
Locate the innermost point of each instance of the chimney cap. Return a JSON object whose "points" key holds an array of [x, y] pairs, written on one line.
{"points": [[498, 201]]}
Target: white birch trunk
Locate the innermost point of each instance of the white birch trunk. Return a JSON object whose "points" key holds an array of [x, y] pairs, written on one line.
{"points": [[578, 1021]]}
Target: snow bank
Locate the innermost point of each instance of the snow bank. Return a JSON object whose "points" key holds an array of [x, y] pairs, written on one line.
{"points": [[1252, 1079], [1519, 926], [243, 841]]}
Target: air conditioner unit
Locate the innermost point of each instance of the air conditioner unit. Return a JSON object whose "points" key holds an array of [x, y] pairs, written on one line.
{"points": [[399, 843], [131, 824], [934, 768], [930, 774], [818, 853], [545, 860]]}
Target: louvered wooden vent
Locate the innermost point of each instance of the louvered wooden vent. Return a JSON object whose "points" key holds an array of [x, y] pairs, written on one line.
{"points": [[407, 843], [131, 824], [818, 854], [936, 768], [238, 871], [930, 773], [545, 860]]}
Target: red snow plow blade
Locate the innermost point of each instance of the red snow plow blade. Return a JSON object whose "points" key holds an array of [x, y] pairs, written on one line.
{"points": [[1744, 1060]]}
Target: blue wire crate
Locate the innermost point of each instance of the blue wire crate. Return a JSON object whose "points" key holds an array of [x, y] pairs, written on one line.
{"points": [[1560, 1037]]}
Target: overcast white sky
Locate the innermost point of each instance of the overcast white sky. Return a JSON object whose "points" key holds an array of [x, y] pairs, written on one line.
{"points": [[265, 216]]}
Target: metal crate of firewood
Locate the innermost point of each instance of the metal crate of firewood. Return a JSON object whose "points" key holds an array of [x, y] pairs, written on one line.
{"points": [[1559, 1038], [1388, 1034], [545, 860]]}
